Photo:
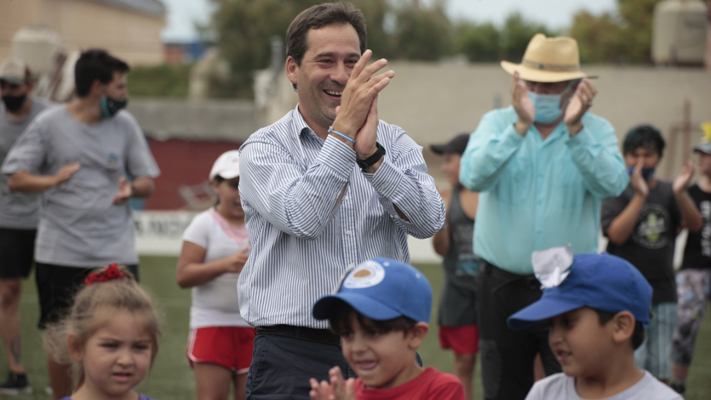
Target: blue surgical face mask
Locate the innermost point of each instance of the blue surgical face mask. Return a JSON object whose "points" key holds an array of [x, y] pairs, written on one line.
{"points": [[647, 173], [548, 107]]}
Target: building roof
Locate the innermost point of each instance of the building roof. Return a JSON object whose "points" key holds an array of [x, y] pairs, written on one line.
{"points": [[149, 7]]}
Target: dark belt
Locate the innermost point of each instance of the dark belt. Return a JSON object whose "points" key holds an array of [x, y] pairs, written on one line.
{"points": [[299, 332], [492, 270]]}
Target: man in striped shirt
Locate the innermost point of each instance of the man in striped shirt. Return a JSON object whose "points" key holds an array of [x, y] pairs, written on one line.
{"points": [[326, 187]]}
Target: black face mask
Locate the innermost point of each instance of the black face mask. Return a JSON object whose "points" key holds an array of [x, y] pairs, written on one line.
{"points": [[109, 106], [14, 103]]}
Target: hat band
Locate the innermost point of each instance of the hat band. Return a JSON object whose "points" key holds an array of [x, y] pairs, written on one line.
{"points": [[551, 67]]}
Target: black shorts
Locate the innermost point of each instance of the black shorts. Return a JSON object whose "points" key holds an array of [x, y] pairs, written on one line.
{"points": [[17, 250], [56, 287]]}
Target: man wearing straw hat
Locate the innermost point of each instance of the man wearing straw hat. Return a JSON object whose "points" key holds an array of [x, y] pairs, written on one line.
{"points": [[542, 167]]}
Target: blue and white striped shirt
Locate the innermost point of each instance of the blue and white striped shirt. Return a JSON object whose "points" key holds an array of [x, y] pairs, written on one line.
{"points": [[303, 240]]}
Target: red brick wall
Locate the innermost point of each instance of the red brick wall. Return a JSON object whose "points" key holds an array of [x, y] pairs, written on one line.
{"points": [[182, 162]]}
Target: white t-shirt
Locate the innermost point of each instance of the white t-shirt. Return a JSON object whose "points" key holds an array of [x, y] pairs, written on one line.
{"points": [[215, 303], [561, 386]]}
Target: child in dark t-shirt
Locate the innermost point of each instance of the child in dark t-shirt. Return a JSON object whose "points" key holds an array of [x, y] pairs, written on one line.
{"points": [[694, 279], [642, 224]]}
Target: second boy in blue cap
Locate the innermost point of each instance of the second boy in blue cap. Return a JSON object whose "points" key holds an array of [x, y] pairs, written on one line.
{"points": [[381, 310], [598, 316]]}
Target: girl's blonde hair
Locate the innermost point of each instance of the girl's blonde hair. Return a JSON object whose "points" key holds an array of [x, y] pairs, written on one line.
{"points": [[89, 313]]}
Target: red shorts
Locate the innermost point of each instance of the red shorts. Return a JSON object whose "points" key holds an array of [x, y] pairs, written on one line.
{"points": [[461, 339], [227, 346]]}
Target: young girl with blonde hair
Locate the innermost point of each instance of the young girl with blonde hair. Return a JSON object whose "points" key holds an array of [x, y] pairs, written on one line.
{"points": [[110, 336]]}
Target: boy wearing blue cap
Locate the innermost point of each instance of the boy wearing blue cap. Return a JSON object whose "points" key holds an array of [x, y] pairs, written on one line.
{"points": [[598, 309], [381, 310]]}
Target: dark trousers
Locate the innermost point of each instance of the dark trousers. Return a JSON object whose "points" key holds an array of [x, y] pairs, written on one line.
{"points": [[56, 287], [507, 356], [282, 366]]}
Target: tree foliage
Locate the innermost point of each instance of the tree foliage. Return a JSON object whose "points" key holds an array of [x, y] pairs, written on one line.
{"points": [[620, 38], [244, 29], [487, 43], [408, 29], [478, 42], [422, 33]]}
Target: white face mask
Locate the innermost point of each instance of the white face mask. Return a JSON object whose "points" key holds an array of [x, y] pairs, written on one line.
{"points": [[548, 107]]}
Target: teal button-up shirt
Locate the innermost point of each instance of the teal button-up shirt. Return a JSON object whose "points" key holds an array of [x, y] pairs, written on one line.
{"points": [[535, 193]]}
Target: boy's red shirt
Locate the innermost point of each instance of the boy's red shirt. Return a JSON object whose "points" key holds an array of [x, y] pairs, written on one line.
{"points": [[430, 384]]}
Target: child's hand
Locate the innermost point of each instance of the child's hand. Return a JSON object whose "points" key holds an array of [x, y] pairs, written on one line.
{"points": [[639, 184], [337, 390], [320, 391], [237, 260], [682, 181]]}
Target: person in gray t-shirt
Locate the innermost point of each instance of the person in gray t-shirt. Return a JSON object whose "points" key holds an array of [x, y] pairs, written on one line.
{"points": [[80, 158], [18, 217], [561, 386]]}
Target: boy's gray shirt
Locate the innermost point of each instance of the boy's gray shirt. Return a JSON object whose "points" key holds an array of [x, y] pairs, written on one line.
{"points": [[79, 225], [562, 387], [17, 210]]}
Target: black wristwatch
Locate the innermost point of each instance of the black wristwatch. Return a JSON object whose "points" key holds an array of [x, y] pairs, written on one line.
{"points": [[370, 161]]}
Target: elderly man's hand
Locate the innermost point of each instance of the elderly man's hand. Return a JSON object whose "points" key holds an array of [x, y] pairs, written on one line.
{"points": [[358, 96], [579, 105], [522, 104]]}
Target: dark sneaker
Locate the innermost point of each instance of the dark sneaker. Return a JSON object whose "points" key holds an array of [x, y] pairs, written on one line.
{"points": [[678, 386], [15, 384]]}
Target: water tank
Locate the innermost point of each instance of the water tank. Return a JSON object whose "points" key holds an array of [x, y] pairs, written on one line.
{"points": [[38, 47], [679, 32]]}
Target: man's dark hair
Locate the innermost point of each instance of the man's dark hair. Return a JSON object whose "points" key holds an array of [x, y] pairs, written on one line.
{"points": [[638, 334], [340, 322], [96, 64], [646, 136], [319, 16]]}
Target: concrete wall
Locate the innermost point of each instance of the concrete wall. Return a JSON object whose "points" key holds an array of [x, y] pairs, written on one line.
{"points": [[435, 101], [130, 35], [232, 120]]}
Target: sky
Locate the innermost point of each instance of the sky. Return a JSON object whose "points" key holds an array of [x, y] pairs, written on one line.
{"points": [[556, 14]]}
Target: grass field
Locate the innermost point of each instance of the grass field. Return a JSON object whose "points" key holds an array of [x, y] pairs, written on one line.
{"points": [[171, 378]]}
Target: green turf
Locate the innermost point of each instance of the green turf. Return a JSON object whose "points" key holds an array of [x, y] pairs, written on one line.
{"points": [[171, 378]]}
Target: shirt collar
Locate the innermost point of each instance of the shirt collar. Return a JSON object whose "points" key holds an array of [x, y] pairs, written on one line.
{"points": [[300, 125]]}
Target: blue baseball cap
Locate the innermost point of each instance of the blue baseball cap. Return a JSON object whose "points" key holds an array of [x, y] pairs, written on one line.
{"points": [[381, 289], [600, 281]]}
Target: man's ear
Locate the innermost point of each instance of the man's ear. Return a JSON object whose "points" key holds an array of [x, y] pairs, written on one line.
{"points": [[292, 69], [97, 88], [623, 326], [417, 334], [76, 349]]}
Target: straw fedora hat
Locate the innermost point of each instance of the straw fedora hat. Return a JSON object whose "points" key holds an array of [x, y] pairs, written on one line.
{"points": [[548, 60]]}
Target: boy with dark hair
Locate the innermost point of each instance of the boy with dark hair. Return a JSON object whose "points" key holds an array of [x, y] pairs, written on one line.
{"points": [[694, 279], [642, 224], [457, 317], [381, 312], [598, 307], [77, 158]]}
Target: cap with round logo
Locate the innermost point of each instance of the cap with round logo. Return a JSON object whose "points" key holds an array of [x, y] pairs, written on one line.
{"points": [[381, 289]]}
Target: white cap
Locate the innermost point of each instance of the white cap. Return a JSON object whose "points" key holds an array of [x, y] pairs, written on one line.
{"points": [[226, 165], [13, 71]]}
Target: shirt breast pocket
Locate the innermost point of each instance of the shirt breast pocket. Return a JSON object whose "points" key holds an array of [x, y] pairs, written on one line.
{"points": [[568, 189], [515, 182]]}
